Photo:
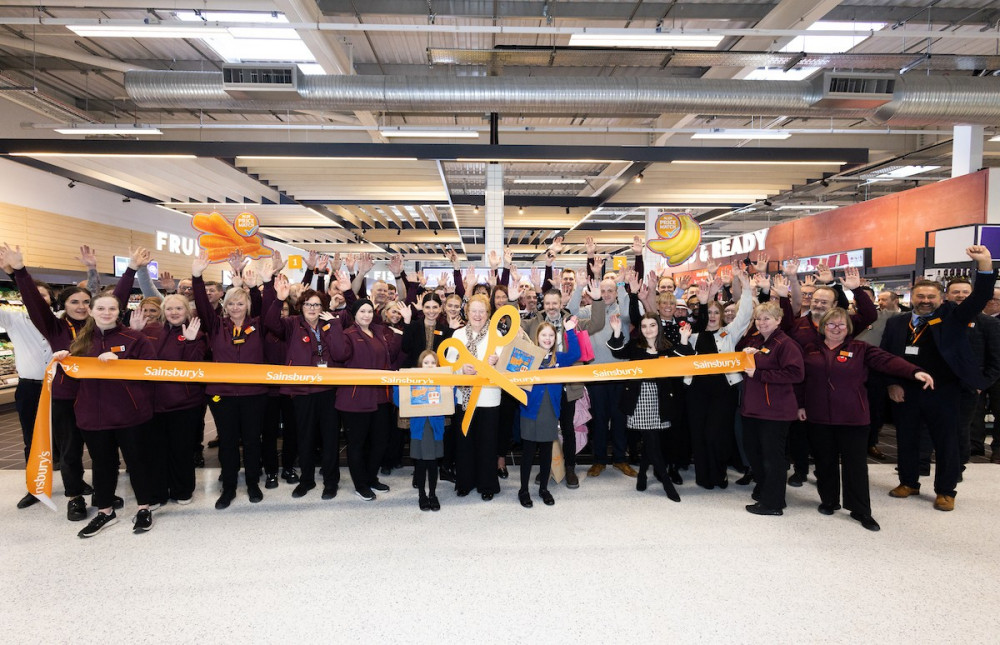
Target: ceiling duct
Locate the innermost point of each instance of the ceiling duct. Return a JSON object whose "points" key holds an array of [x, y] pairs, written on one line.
{"points": [[933, 100]]}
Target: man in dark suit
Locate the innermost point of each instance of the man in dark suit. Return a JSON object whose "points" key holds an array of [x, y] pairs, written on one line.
{"points": [[934, 336]]}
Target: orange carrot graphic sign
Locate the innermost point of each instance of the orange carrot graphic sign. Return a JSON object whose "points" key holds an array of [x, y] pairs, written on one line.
{"points": [[220, 237]]}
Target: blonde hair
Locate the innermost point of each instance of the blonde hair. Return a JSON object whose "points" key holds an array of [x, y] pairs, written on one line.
{"points": [[480, 298], [234, 294], [772, 309], [188, 305]]}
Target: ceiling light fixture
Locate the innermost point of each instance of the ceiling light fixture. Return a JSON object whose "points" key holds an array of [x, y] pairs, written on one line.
{"points": [[996, 138], [648, 40], [147, 31], [806, 207], [520, 210], [761, 163], [742, 134], [72, 183], [639, 178], [905, 171], [429, 134], [97, 155], [550, 180], [112, 128]]}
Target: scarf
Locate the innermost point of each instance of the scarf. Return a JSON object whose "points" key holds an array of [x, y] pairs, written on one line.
{"points": [[472, 344]]}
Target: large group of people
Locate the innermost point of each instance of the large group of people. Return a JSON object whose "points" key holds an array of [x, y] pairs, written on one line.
{"points": [[825, 370]]}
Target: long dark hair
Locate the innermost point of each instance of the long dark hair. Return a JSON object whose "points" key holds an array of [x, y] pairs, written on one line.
{"points": [[68, 292], [661, 344]]}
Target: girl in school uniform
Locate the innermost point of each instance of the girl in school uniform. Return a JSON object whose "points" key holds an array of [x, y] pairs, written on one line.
{"points": [[540, 415]]}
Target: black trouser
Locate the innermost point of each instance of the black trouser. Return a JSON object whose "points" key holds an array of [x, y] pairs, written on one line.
{"points": [[798, 447], [604, 406], [841, 451], [938, 410], [877, 401], [476, 453], [367, 436], [236, 418], [103, 446], [567, 410], [425, 474], [396, 445], [652, 454], [316, 416], [279, 422], [509, 410], [676, 442], [967, 404], [544, 451], [26, 402], [70, 444], [199, 439], [451, 431], [711, 408], [989, 400], [764, 441], [170, 453]]}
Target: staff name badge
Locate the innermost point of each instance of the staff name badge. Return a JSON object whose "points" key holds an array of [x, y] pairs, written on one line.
{"points": [[912, 350]]}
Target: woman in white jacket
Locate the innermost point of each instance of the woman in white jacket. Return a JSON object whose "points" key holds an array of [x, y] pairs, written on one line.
{"points": [[712, 399]]}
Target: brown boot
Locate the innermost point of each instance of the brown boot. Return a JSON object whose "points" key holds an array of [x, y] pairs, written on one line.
{"points": [[903, 491], [626, 470], [596, 470], [944, 503]]}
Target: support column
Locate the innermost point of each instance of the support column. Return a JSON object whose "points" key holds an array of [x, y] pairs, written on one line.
{"points": [[494, 210], [966, 149]]}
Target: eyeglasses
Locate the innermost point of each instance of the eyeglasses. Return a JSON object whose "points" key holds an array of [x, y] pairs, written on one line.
{"points": [[312, 305], [836, 325]]}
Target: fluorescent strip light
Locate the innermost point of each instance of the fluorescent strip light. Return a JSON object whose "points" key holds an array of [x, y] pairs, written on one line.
{"points": [[742, 134], [761, 163], [648, 40], [430, 134], [109, 129], [906, 171], [109, 155], [149, 31], [815, 207], [548, 180], [501, 160], [996, 138], [266, 158]]}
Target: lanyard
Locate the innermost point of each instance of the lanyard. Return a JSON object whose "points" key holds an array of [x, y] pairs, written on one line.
{"points": [[914, 334]]}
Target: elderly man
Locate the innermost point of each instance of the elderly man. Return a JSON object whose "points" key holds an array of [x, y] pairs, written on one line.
{"points": [[935, 338]]}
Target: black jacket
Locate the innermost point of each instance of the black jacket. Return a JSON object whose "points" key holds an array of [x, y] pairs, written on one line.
{"points": [[415, 339], [984, 337], [665, 387], [950, 332]]}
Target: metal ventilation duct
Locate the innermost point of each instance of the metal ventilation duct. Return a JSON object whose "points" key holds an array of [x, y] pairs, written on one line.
{"points": [[935, 100]]}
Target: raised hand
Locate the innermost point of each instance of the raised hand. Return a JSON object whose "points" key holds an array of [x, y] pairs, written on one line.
{"points": [[685, 330], [11, 258], [823, 273], [322, 262], [88, 257], [790, 267], [581, 276], [780, 286], [631, 278], [452, 256], [137, 320], [421, 278], [190, 330], [616, 324], [167, 281], [684, 282], [515, 275], [557, 245], [406, 313], [712, 267], [325, 315], [266, 271], [703, 292], [199, 264], [494, 260], [277, 261], [638, 244], [350, 260], [343, 281], [395, 264], [714, 288], [743, 277], [365, 263], [642, 293], [809, 281], [761, 281], [237, 260], [281, 287], [335, 262], [981, 254], [311, 259], [852, 278], [139, 257], [250, 277], [470, 279], [591, 246], [508, 257], [570, 323], [761, 264], [536, 277], [726, 276], [595, 289]]}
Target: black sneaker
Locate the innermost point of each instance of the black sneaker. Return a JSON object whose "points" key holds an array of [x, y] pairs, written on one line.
{"points": [[143, 521], [290, 476], [76, 510], [98, 524], [225, 499], [253, 490], [380, 487], [302, 489], [271, 481], [366, 495]]}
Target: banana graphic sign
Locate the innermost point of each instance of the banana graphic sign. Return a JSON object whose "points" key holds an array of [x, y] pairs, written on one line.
{"points": [[679, 237]]}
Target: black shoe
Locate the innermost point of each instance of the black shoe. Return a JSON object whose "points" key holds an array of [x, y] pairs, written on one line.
{"points": [[462, 493], [755, 495], [143, 521], [366, 495], [745, 480], [640, 480], [290, 476], [302, 489], [546, 496], [329, 492], [98, 524], [27, 500], [446, 475], [758, 509], [487, 496], [385, 470], [828, 509], [925, 471], [87, 489], [434, 502], [978, 452], [271, 481], [414, 482], [225, 499], [797, 479], [253, 490], [76, 510], [424, 503], [524, 497], [538, 478], [671, 492], [502, 473], [199, 460], [379, 487], [724, 484], [866, 521], [675, 477], [214, 443]]}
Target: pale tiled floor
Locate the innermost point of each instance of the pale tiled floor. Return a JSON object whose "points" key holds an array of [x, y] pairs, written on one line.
{"points": [[605, 564]]}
